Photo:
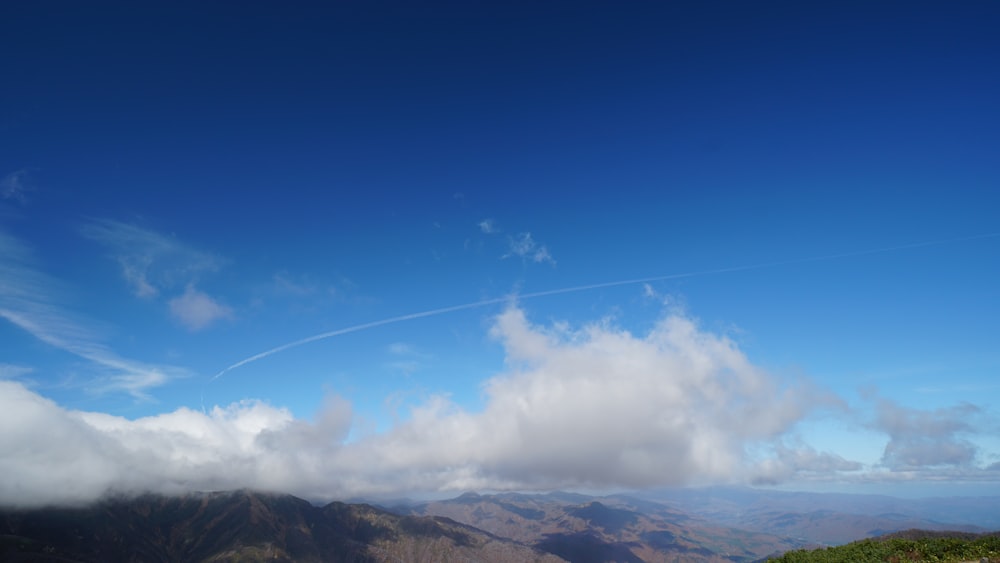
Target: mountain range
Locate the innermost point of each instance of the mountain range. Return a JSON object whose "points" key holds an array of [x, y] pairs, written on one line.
{"points": [[686, 525], [244, 526], [587, 529]]}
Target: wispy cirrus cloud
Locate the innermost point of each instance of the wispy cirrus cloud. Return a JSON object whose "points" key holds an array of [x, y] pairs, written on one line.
{"points": [[287, 284], [196, 310], [15, 187], [488, 226], [35, 303], [154, 264], [150, 262], [524, 246], [406, 358], [14, 371]]}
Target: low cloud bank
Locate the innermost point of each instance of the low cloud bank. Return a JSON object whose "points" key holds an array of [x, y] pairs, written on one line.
{"points": [[589, 407], [919, 439]]}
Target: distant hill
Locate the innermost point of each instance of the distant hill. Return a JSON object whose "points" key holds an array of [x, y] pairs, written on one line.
{"points": [[830, 518], [244, 526], [706, 524], [590, 529]]}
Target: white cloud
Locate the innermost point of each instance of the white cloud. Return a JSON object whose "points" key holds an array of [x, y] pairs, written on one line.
{"points": [[53, 455], [800, 461], [524, 246], [196, 310], [602, 406], [595, 406], [920, 439], [150, 262]]}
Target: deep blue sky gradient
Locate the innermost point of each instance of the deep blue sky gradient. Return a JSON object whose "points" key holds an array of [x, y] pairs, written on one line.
{"points": [[334, 160]]}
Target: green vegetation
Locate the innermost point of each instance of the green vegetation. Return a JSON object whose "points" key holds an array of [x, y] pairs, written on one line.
{"points": [[945, 549]]}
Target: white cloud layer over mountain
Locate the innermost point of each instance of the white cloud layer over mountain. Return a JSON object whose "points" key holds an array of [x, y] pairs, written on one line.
{"points": [[594, 407]]}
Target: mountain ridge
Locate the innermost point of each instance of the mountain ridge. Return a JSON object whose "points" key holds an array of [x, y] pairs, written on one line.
{"points": [[606, 528], [245, 525]]}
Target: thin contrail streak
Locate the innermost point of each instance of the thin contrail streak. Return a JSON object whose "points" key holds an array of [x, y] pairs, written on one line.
{"points": [[578, 288]]}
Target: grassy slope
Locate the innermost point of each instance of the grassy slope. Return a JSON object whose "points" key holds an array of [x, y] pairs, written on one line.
{"points": [[911, 546]]}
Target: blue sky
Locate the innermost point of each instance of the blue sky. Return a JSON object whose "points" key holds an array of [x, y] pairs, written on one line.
{"points": [[453, 198]]}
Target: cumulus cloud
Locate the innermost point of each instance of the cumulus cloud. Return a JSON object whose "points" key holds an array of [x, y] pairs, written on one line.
{"points": [[800, 461], [150, 261], [53, 455], [196, 310], [601, 405], [593, 406], [524, 246], [921, 439]]}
